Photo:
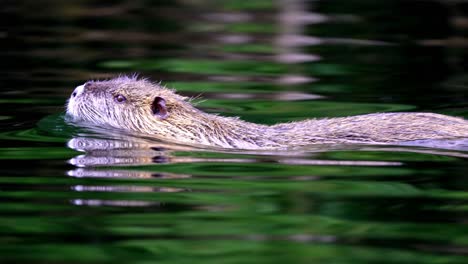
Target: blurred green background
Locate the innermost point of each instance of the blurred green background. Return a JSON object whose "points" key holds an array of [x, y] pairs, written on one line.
{"points": [[69, 196]]}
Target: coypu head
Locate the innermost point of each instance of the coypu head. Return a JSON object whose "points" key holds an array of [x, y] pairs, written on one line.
{"points": [[132, 104], [141, 107]]}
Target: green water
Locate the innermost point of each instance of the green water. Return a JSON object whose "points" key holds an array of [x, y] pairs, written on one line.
{"points": [[71, 196]]}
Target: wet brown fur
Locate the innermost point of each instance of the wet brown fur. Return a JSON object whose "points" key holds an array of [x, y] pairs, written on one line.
{"points": [[186, 124]]}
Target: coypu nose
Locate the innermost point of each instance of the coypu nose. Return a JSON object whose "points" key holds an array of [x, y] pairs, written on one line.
{"points": [[78, 90]]}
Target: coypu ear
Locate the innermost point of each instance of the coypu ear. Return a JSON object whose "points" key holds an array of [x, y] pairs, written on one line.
{"points": [[159, 107]]}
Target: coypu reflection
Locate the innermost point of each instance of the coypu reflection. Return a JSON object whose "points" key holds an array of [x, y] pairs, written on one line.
{"points": [[122, 189], [140, 107], [105, 152], [114, 152], [102, 157], [133, 151]]}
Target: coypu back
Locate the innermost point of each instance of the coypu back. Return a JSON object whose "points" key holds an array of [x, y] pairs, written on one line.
{"points": [[378, 128], [141, 107]]}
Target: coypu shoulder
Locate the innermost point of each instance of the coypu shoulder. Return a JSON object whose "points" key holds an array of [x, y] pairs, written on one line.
{"points": [[142, 107]]}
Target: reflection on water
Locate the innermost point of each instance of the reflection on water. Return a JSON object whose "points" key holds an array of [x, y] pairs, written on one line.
{"points": [[69, 195]]}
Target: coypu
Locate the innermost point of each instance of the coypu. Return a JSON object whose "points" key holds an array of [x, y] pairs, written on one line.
{"points": [[140, 106]]}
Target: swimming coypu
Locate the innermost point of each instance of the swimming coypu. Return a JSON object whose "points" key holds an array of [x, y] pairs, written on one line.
{"points": [[140, 106]]}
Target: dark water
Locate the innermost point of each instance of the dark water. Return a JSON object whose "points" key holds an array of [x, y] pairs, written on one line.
{"points": [[68, 196]]}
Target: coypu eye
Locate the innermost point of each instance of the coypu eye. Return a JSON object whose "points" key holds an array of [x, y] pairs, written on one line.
{"points": [[159, 108], [120, 98]]}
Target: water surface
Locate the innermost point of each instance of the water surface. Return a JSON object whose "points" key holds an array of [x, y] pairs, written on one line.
{"points": [[72, 196]]}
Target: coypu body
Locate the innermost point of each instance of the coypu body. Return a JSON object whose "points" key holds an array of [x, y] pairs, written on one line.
{"points": [[139, 106]]}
